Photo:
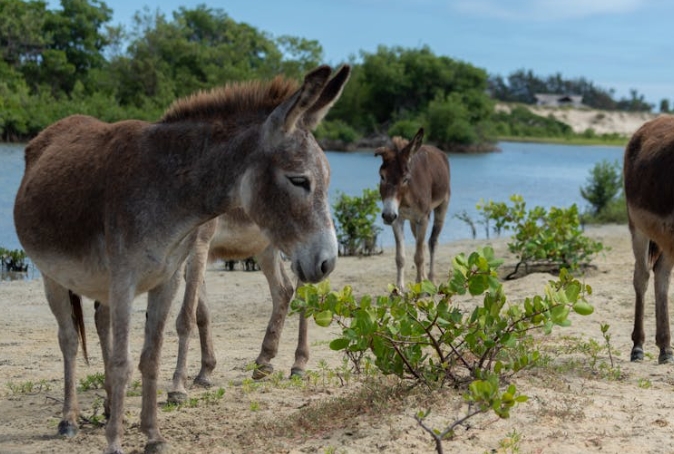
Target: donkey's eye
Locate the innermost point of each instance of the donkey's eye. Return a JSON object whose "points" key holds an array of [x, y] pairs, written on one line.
{"points": [[300, 182]]}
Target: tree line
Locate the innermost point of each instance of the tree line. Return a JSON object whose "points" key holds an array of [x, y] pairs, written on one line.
{"points": [[72, 60]]}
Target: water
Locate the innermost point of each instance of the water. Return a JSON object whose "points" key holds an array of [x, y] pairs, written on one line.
{"points": [[544, 174]]}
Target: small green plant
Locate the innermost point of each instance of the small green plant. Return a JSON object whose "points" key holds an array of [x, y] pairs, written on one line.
{"points": [[644, 383], [92, 381], [420, 335], [356, 229], [28, 387], [95, 419], [135, 389], [603, 185], [542, 236], [13, 260]]}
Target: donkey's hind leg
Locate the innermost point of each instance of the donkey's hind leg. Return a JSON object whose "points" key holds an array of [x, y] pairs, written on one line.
{"points": [[60, 305], [438, 222], [194, 307], [662, 272], [640, 281], [102, 320]]}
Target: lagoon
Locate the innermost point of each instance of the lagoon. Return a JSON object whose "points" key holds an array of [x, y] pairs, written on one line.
{"points": [[544, 174]]}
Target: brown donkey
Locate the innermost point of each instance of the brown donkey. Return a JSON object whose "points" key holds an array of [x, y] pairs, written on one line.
{"points": [[110, 211], [414, 182], [649, 192], [233, 236]]}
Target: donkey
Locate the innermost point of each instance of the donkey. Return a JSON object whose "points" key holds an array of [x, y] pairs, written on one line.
{"points": [[414, 182], [233, 236], [111, 211], [649, 193]]}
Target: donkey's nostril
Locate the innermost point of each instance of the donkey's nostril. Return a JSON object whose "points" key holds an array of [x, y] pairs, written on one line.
{"points": [[327, 266]]}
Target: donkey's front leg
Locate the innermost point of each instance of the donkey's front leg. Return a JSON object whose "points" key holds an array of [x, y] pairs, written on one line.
{"points": [[119, 365], [399, 234], [420, 236], [281, 290], [662, 271], [158, 306]]}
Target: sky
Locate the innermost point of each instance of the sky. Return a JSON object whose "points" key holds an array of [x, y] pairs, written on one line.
{"points": [[616, 44]]}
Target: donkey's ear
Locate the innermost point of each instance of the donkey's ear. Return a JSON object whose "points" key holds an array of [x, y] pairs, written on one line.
{"points": [[329, 96], [415, 143], [286, 115]]}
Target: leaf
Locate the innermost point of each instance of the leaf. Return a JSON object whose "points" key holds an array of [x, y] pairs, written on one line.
{"points": [[582, 307], [323, 318], [339, 344]]}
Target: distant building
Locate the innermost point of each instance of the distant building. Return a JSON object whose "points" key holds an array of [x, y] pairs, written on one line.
{"points": [[551, 100]]}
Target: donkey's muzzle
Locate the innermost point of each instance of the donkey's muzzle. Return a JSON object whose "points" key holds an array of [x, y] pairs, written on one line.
{"points": [[314, 274], [389, 217]]}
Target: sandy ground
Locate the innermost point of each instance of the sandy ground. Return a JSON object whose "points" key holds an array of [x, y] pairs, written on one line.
{"points": [[571, 409], [602, 121]]}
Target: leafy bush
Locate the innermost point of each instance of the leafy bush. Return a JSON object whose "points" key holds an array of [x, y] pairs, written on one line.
{"points": [[603, 185], [356, 229], [14, 260], [422, 336], [553, 236], [336, 130], [404, 128], [521, 122]]}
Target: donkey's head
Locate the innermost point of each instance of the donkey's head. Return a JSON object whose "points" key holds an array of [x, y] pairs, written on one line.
{"points": [[394, 173], [286, 192]]}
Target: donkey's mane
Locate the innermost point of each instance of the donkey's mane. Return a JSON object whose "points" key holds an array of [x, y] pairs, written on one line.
{"points": [[399, 143], [232, 99]]}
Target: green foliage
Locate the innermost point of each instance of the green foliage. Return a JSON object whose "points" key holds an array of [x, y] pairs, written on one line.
{"points": [[28, 387], [13, 260], [550, 236], [603, 185], [336, 130], [355, 216], [423, 336], [404, 128], [521, 122], [92, 381]]}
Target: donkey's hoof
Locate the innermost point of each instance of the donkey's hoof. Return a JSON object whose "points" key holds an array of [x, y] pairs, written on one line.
{"points": [[67, 429], [176, 398], [157, 447], [666, 357], [296, 372], [262, 371], [637, 354], [204, 382]]}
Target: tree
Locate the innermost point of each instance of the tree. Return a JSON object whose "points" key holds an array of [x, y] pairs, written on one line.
{"points": [[664, 106], [603, 184]]}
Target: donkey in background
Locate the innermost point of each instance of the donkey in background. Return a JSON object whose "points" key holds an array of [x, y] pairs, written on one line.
{"points": [[649, 192], [233, 236], [111, 211], [414, 180]]}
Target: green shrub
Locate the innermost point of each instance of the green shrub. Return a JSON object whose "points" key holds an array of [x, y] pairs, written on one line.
{"points": [[13, 260], [356, 229], [603, 186], [404, 128], [553, 237], [422, 336], [336, 130]]}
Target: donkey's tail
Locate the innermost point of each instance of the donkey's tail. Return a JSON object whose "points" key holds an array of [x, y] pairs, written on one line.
{"points": [[654, 252], [78, 319]]}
